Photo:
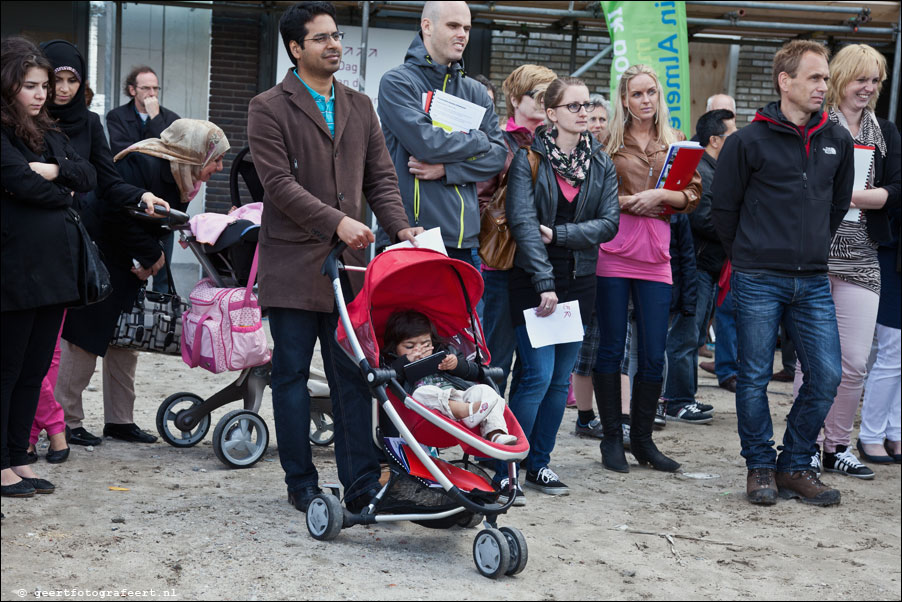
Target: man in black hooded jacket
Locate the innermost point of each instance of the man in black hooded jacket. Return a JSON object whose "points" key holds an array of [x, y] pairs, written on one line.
{"points": [[781, 188]]}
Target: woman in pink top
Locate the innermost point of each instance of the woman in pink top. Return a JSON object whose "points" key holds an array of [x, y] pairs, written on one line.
{"points": [[637, 262]]}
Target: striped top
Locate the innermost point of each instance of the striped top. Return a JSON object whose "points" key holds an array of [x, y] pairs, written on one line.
{"points": [[326, 105], [853, 254]]}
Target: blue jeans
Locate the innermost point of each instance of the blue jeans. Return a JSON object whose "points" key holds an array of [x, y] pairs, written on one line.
{"points": [[540, 395], [651, 303], [683, 343], [726, 362], [294, 333], [499, 332], [806, 307]]}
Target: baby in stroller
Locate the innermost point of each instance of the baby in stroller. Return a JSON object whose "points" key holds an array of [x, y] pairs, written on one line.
{"points": [[410, 336]]}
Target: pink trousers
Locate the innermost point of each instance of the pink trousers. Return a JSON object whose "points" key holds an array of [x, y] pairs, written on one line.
{"points": [[856, 318], [49, 415]]}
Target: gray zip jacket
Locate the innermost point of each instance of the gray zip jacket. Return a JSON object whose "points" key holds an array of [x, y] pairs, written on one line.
{"points": [[469, 157], [527, 205]]}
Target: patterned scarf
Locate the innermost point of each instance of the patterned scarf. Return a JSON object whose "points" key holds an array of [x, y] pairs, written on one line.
{"points": [[869, 132], [573, 167]]}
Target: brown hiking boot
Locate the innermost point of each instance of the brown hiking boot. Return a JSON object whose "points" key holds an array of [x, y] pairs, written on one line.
{"points": [[707, 367], [760, 486], [805, 486]]}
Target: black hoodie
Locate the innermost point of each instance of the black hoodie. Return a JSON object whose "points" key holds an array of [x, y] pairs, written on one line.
{"points": [[780, 193]]}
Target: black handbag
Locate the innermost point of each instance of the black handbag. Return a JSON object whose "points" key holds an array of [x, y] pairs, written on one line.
{"points": [[154, 322], [93, 277]]}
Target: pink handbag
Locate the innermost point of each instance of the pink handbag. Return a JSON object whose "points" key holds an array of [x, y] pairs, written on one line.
{"points": [[223, 329]]}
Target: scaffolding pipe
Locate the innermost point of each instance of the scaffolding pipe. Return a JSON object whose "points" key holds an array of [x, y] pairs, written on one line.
{"points": [[117, 66], [364, 44], [507, 10], [897, 66], [790, 26], [813, 8], [592, 61]]}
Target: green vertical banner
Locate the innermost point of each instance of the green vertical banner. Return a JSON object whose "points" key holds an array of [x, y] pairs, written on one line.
{"points": [[653, 34]]}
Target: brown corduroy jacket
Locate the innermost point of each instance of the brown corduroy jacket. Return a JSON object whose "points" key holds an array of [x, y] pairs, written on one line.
{"points": [[312, 181]]}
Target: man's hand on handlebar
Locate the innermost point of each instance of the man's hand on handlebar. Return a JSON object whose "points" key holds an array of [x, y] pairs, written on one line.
{"points": [[354, 234]]}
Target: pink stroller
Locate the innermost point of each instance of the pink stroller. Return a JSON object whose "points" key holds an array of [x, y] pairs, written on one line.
{"points": [[423, 488]]}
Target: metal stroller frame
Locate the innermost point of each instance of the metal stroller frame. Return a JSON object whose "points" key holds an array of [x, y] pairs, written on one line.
{"points": [[495, 551], [241, 437]]}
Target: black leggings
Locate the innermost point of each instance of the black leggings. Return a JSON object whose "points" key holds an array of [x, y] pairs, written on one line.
{"points": [[28, 339]]}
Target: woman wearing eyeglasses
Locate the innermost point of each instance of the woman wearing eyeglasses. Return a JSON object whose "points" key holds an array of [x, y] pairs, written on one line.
{"points": [[557, 220], [637, 263]]}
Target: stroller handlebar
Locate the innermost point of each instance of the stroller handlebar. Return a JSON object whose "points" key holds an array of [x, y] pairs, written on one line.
{"points": [[330, 266], [166, 217]]}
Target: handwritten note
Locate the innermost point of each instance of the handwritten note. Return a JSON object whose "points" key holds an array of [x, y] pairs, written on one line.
{"points": [[563, 326]]}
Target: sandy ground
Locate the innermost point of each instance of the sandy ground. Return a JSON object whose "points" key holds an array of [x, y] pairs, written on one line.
{"points": [[189, 528]]}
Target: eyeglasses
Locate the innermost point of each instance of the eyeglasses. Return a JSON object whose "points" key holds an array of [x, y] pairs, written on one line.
{"points": [[532, 94], [574, 107], [322, 38], [150, 88]]}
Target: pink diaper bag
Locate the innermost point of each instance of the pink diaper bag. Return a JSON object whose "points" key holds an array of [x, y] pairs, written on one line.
{"points": [[223, 329]]}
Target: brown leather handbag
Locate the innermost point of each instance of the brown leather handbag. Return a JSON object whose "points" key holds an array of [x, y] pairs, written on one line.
{"points": [[496, 244]]}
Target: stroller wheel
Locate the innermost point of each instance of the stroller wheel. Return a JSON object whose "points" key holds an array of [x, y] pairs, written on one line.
{"points": [[170, 411], [325, 517], [518, 551], [240, 439], [491, 553], [322, 428]]}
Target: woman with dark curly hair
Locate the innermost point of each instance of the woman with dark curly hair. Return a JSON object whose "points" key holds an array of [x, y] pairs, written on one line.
{"points": [[40, 249]]}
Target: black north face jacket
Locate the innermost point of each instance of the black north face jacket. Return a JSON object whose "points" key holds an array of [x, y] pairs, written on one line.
{"points": [[780, 192]]}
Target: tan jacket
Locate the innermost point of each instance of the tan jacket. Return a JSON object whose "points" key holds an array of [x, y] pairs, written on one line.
{"points": [[311, 182], [638, 169]]}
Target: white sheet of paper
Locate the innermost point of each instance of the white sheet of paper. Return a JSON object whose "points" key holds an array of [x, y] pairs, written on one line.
{"points": [[563, 326], [455, 114], [430, 239], [852, 215], [864, 157]]}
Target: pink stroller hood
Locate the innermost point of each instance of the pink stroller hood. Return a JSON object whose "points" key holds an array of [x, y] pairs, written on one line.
{"points": [[419, 279]]}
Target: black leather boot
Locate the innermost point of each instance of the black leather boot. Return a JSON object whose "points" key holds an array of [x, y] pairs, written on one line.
{"points": [[607, 396], [642, 420]]}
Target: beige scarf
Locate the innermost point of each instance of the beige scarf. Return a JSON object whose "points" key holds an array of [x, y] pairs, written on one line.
{"points": [[189, 145]]}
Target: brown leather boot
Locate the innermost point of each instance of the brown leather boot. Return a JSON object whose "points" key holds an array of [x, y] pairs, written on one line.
{"points": [[760, 486], [805, 486]]}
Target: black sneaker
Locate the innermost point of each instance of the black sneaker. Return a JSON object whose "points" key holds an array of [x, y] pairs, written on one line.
{"points": [[660, 415], [687, 413], [707, 408], [844, 462], [546, 481], [519, 497], [815, 463], [593, 429], [625, 427]]}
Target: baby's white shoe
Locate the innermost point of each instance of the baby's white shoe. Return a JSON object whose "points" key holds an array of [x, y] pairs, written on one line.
{"points": [[478, 414], [503, 439]]}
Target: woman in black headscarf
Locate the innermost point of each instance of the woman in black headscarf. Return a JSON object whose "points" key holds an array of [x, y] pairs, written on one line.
{"points": [[101, 211]]}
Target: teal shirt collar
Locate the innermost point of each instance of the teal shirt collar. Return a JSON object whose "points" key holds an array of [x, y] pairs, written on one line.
{"points": [[316, 95]]}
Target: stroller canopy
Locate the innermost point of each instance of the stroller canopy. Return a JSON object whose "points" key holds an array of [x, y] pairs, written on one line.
{"points": [[419, 279]]}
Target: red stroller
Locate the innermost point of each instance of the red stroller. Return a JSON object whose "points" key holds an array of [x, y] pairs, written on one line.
{"points": [[423, 488]]}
